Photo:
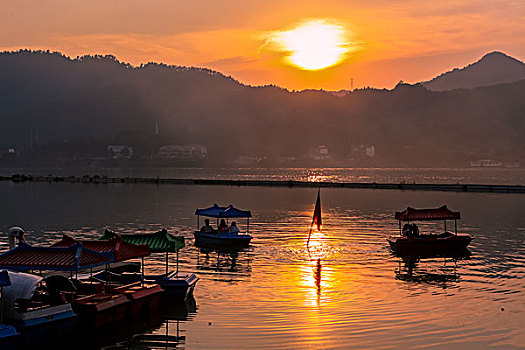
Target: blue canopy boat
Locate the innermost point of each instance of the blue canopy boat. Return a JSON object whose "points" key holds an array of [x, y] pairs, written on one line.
{"points": [[222, 239], [36, 301]]}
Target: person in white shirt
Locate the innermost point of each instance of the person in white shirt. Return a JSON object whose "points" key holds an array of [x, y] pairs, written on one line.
{"points": [[233, 228]]}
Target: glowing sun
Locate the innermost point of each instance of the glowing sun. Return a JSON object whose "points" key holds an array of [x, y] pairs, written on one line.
{"points": [[314, 45]]}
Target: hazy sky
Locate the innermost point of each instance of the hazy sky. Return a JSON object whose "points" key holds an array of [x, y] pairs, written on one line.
{"points": [[384, 40]]}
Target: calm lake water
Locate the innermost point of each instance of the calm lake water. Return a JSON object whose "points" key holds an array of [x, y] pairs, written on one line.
{"points": [[275, 295]]}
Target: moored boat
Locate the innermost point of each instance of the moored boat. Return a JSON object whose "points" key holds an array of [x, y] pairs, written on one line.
{"points": [[28, 308], [92, 301], [142, 295], [222, 239], [410, 241], [175, 283]]}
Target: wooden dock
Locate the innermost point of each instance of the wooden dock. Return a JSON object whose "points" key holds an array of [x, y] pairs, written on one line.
{"points": [[95, 179]]}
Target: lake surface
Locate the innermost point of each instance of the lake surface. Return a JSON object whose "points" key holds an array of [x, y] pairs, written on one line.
{"points": [[346, 291]]}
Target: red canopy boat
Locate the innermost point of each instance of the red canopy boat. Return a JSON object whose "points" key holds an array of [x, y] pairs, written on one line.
{"points": [[34, 300], [143, 296], [410, 240]]}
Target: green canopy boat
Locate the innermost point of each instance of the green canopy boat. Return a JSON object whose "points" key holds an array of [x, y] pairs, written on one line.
{"points": [[158, 242], [175, 283]]}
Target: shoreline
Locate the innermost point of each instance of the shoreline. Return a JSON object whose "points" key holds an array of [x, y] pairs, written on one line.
{"points": [[480, 188]]}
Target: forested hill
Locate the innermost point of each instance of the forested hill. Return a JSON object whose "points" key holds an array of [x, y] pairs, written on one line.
{"points": [[493, 68], [79, 106]]}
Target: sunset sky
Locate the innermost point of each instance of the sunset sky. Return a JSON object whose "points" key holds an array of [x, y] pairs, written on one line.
{"points": [[377, 43]]}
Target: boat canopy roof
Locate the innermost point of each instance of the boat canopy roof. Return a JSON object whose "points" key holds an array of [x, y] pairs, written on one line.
{"points": [[72, 258], [441, 213], [116, 245], [157, 242], [224, 212]]}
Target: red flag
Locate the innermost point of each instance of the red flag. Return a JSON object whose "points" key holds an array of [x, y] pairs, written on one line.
{"points": [[317, 212]]}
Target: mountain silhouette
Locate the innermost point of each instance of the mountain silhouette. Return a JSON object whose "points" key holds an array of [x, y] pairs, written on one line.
{"points": [[56, 109], [493, 68]]}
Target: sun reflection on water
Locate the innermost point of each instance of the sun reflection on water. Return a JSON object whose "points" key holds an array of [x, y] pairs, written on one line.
{"points": [[315, 274]]}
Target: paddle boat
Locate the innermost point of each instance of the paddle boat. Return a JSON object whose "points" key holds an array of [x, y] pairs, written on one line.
{"points": [[209, 238], [410, 241], [176, 284], [144, 296], [34, 300]]}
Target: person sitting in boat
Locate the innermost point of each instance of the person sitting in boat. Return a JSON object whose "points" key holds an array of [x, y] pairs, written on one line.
{"points": [[207, 228], [414, 231], [233, 228], [222, 226], [406, 230]]}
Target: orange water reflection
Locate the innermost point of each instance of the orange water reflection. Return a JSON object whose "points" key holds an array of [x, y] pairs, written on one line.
{"points": [[316, 276]]}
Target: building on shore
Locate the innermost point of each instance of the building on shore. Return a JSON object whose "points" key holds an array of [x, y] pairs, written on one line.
{"points": [[487, 163], [363, 151], [319, 152], [187, 152], [119, 152]]}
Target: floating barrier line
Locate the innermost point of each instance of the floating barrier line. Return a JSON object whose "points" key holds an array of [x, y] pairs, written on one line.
{"points": [[269, 183]]}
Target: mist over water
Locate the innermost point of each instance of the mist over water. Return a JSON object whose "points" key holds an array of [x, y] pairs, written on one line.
{"points": [[346, 291]]}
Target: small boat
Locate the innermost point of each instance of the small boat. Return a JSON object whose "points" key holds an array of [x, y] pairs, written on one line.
{"points": [[410, 242], [176, 284], [217, 239], [90, 301], [143, 295]]}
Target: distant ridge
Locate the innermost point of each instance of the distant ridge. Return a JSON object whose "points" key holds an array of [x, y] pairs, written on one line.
{"points": [[59, 111], [493, 68]]}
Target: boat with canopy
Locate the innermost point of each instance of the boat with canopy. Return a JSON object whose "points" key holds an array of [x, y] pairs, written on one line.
{"points": [[410, 241], [142, 294], [222, 239], [33, 300], [175, 283]]}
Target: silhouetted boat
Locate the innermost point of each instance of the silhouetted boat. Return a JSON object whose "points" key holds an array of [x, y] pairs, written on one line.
{"points": [[222, 239], [142, 295], [413, 242], [72, 258], [176, 284]]}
